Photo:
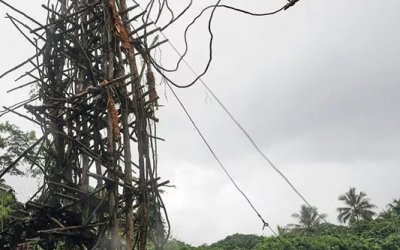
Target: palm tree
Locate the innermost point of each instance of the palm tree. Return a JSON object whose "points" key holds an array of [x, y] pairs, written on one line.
{"points": [[308, 219], [394, 207], [386, 214], [357, 208], [282, 230], [393, 210]]}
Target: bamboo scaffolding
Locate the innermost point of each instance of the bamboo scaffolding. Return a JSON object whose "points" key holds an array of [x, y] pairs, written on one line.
{"points": [[90, 85]]}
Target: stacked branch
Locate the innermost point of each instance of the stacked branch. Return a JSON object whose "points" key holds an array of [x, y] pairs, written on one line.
{"points": [[95, 105]]}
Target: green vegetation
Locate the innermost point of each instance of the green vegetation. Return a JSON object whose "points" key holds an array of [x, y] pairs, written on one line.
{"points": [[308, 220], [392, 211], [238, 242], [6, 204], [379, 234], [311, 233], [357, 208], [13, 142]]}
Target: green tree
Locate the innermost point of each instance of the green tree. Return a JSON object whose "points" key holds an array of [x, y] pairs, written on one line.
{"points": [[308, 220], [282, 230], [394, 207], [358, 207], [6, 203], [172, 244], [13, 141], [386, 214], [393, 210], [237, 242]]}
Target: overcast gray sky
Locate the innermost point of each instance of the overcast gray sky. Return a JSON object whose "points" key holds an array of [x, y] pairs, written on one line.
{"points": [[317, 87]]}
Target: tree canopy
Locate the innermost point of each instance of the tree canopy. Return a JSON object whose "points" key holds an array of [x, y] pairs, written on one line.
{"points": [[13, 142], [363, 234], [379, 234], [357, 207], [308, 220]]}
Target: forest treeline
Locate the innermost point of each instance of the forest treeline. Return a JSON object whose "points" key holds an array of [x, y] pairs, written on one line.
{"points": [[362, 229]]}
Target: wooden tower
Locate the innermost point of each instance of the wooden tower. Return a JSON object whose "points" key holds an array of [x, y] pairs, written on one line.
{"points": [[95, 102]]}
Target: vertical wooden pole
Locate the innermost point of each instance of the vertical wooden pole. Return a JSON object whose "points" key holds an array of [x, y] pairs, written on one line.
{"points": [[82, 84], [113, 189], [129, 226]]}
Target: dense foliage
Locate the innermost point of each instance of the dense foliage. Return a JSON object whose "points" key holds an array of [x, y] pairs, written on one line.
{"points": [[378, 234], [6, 204], [308, 220], [14, 141], [238, 242]]}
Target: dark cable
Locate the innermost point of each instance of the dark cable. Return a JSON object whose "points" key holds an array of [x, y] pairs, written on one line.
{"points": [[159, 68], [241, 128], [179, 15], [265, 224], [258, 149], [253, 143], [210, 32], [198, 77]]}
